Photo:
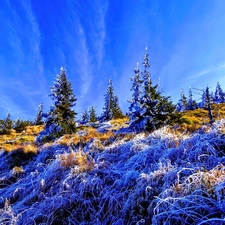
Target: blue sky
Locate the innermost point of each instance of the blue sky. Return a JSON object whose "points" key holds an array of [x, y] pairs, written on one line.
{"points": [[95, 40]]}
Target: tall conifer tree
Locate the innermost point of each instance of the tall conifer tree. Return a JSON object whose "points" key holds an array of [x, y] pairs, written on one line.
{"points": [[93, 117], [111, 107], [154, 110], [135, 104], [60, 118], [219, 96], [117, 112], [208, 102], [39, 116], [182, 103], [84, 117]]}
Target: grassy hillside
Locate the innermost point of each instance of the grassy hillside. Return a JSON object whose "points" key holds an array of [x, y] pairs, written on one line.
{"points": [[106, 174], [194, 119]]}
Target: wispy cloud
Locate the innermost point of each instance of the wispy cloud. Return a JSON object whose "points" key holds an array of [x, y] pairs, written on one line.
{"points": [[207, 71], [100, 31], [86, 35], [23, 74]]}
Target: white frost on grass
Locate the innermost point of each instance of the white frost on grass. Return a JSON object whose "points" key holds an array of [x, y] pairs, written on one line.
{"points": [[157, 178]]}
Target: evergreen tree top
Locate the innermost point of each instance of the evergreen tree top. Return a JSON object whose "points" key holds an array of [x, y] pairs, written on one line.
{"points": [[146, 60], [136, 70]]}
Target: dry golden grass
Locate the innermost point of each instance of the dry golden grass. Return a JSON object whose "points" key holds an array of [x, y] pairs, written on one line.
{"points": [[24, 140], [34, 130], [121, 122], [17, 170], [192, 120], [29, 148], [83, 161], [85, 138], [26, 148]]}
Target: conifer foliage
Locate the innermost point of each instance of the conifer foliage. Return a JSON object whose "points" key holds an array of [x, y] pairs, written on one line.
{"points": [[111, 109], [135, 104], [191, 104], [149, 109], [182, 104], [219, 96], [60, 119], [93, 117], [39, 116], [6, 125], [208, 99], [116, 110], [84, 117]]}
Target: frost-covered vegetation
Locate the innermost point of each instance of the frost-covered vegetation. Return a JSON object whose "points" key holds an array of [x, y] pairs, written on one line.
{"points": [[110, 175], [162, 164]]}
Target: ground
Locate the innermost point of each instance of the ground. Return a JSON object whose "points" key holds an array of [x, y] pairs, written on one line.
{"points": [[107, 174]]}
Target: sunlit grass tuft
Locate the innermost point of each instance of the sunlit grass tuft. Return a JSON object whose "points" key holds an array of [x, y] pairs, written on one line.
{"points": [[17, 171], [121, 122], [80, 160], [85, 137]]}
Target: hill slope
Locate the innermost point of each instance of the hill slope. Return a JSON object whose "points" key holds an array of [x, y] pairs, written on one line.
{"points": [[117, 177]]}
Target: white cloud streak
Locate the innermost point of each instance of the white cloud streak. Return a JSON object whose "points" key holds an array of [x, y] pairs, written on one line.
{"points": [[25, 76], [207, 71]]}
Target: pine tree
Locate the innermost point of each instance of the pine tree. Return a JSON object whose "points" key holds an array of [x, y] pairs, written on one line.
{"points": [[39, 117], [8, 122], [219, 96], [208, 103], [17, 124], [205, 98], [166, 112], [84, 117], [155, 109], [149, 99], [60, 118], [107, 109], [203, 103], [159, 85], [111, 107], [135, 104], [93, 117], [7, 125], [182, 103], [116, 110], [191, 105]]}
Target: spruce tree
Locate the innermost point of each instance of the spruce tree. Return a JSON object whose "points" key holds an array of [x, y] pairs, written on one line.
{"points": [[219, 96], [60, 119], [8, 122], [107, 109], [208, 98], [191, 104], [165, 112], [205, 98], [6, 125], [154, 110], [159, 85], [135, 104], [149, 99], [84, 117], [93, 117], [203, 103], [17, 124], [111, 107], [39, 116], [116, 110], [182, 103]]}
